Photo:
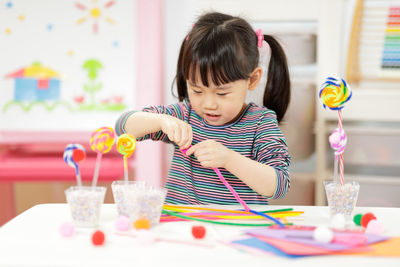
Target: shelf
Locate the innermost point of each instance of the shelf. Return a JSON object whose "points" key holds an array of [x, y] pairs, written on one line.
{"points": [[369, 105]]}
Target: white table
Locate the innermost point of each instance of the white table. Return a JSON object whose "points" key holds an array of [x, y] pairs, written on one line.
{"points": [[32, 239]]}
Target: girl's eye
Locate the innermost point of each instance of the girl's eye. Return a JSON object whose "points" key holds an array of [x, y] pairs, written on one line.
{"points": [[222, 94], [197, 92]]}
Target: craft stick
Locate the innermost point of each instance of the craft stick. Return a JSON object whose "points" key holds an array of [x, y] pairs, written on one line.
{"points": [[217, 222], [239, 217], [210, 214], [167, 206]]}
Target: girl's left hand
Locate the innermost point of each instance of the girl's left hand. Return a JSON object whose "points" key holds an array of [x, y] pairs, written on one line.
{"points": [[210, 153]]}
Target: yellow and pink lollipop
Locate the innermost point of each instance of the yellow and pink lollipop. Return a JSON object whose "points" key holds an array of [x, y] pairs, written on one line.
{"points": [[101, 142], [126, 145]]}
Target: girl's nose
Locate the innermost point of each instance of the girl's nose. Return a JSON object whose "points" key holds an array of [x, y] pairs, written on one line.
{"points": [[210, 102]]}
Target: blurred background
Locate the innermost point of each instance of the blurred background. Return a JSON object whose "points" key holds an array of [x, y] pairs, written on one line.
{"points": [[67, 68]]}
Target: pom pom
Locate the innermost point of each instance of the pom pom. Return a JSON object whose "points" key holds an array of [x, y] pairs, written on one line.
{"points": [[122, 223], [198, 231], [338, 141], [98, 238], [141, 224], [67, 229], [323, 234], [338, 221], [366, 218], [145, 237], [374, 227], [357, 219], [78, 155]]}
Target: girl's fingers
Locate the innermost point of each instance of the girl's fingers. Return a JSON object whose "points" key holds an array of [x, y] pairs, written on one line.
{"points": [[189, 137], [184, 136], [177, 135]]}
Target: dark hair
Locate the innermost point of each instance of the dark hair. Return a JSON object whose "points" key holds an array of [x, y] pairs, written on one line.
{"points": [[225, 49]]}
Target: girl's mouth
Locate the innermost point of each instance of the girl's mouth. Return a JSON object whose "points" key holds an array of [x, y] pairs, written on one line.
{"points": [[212, 117]]}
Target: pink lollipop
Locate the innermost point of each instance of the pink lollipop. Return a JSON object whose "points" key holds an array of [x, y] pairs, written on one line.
{"points": [[101, 142]]}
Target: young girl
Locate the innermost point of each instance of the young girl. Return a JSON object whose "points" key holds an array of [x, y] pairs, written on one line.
{"points": [[217, 65]]}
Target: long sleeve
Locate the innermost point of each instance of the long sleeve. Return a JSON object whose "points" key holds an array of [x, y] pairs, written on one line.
{"points": [[270, 148]]}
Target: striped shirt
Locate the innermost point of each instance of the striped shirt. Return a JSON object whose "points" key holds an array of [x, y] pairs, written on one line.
{"points": [[255, 134]]}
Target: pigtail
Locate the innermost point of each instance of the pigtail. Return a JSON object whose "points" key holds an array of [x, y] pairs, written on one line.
{"points": [[179, 78], [277, 90]]}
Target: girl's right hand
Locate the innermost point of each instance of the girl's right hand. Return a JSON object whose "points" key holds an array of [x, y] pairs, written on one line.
{"points": [[177, 131]]}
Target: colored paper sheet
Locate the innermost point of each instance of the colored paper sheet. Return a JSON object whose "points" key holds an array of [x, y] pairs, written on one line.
{"points": [[259, 244], [299, 249], [389, 248], [244, 248], [305, 237]]}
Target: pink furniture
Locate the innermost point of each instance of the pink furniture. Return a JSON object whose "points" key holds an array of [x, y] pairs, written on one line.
{"points": [[27, 166]]}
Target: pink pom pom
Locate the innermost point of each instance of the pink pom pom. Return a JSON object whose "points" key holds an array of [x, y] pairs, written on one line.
{"points": [[122, 223], [334, 138], [338, 140], [67, 229], [374, 227], [145, 237]]}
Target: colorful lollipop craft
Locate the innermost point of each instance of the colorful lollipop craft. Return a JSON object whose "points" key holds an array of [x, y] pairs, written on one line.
{"points": [[73, 154], [334, 93], [101, 142], [126, 145]]}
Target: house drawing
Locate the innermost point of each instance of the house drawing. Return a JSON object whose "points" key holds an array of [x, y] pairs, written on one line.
{"points": [[36, 83]]}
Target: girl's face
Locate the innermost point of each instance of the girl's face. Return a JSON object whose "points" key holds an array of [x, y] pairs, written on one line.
{"points": [[218, 105]]}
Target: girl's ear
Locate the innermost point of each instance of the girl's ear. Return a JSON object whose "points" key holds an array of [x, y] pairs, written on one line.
{"points": [[255, 78]]}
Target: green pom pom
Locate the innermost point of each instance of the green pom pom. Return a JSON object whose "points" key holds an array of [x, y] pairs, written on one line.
{"points": [[357, 219]]}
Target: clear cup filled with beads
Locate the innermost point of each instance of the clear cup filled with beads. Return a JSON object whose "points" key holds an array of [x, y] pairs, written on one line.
{"points": [[341, 196], [85, 203], [147, 204], [124, 190]]}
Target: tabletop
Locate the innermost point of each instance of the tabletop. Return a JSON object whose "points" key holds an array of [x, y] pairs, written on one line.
{"points": [[32, 239]]}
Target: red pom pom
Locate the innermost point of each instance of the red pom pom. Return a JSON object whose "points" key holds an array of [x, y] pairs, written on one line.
{"points": [[198, 231], [98, 238], [366, 218], [78, 155]]}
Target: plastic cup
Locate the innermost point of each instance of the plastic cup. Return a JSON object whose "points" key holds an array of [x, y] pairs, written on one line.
{"points": [[124, 190], [85, 203], [342, 198], [148, 204], [137, 200]]}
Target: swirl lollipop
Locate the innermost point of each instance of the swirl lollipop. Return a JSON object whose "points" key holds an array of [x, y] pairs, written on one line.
{"points": [[338, 140], [73, 154], [126, 145], [334, 93], [101, 142]]}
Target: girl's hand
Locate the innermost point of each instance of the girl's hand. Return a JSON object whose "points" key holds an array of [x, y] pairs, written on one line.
{"points": [[177, 131], [210, 153]]}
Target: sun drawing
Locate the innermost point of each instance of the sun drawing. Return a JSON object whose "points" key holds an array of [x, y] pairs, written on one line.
{"points": [[95, 13]]}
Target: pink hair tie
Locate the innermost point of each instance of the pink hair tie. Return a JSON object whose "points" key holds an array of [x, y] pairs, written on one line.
{"points": [[187, 36], [260, 37]]}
